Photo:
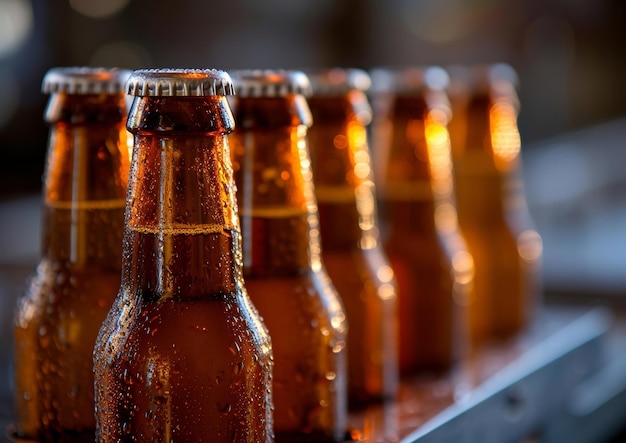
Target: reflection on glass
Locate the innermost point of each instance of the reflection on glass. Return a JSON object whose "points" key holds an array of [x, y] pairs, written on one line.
{"points": [[491, 204]]}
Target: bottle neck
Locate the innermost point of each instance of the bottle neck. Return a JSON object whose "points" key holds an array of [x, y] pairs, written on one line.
{"points": [[344, 184], [401, 137], [85, 180], [275, 190], [417, 181], [182, 235]]}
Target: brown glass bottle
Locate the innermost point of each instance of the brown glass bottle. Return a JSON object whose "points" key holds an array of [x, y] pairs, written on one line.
{"points": [[281, 254], [182, 355], [492, 207], [75, 283], [428, 254], [351, 250]]}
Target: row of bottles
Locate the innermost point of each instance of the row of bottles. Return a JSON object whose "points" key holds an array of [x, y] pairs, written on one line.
{"points": [[259, 298]]}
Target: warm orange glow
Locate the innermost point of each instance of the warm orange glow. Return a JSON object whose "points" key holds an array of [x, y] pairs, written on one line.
{"points": [[438, 144], [128, 138], [362, 170], [463, 266], [306, 182], [361, 160], [357, 134], [364, 186], [505, 138], [364, 194], [446, 218], [386, 291], [415, 131], [384, 273], [340, 141]]}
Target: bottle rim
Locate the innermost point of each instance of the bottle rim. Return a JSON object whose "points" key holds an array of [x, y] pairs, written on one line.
{"points": [[85, 80], [483, 75], [497, 80], [409, 79], [269, 83], [338, 81], [167, 82]]}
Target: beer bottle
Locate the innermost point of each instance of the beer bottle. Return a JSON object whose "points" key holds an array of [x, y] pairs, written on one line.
{"points": [[433, 268], [351, 249], [283, 268], [182, 355], [75, 282], [492, 208]]}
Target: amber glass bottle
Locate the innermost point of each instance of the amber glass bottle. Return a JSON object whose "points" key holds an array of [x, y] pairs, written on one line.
{"points": [[183, 355], [281, 254], [75, 283], [351, 250], [493, 214], [421, 236]]}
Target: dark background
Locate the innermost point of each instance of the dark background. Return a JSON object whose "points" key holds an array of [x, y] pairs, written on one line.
{"points": [[569, 53]]}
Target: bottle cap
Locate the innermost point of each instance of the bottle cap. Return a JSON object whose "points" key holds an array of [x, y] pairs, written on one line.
{"points": [[483, 77], [84, 80], [503, 82], [496, 80], [410, 79], [179, 83], [338, 81], [270, 83]]}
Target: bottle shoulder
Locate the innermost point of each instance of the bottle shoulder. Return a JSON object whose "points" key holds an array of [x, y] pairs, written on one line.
{"points": [[64, 293], [226, 326]]}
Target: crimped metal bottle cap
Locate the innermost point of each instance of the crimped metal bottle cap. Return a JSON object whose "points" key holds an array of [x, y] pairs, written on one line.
{"points": [[82, 80], [179, 83], [503, 72], [497, 80], [270, 83], [484, 76], [338, 81], [410, 79]]}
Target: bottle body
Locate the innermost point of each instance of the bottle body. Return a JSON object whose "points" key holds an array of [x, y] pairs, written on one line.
{"points": [[428, 254], [351, 250], [283, 270], [492, 210], [75, 283], [182, 355]]}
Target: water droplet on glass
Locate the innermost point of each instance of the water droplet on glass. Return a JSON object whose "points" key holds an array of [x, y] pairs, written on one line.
{"points": [[219, 377], [224, 408]]}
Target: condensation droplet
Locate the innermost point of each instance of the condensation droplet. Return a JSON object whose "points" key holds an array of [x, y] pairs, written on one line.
{"points": [[219, 377], [224, 408], [238, 368]]}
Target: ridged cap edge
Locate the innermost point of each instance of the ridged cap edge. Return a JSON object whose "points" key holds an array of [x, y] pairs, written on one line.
{"points": [[483, 76], [84, 80], [269, 83], [179, 83], [409, 79], [338, 81]]}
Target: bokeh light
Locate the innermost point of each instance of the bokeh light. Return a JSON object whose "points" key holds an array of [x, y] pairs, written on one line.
{"points": [[16, 23], [98, 8]]}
